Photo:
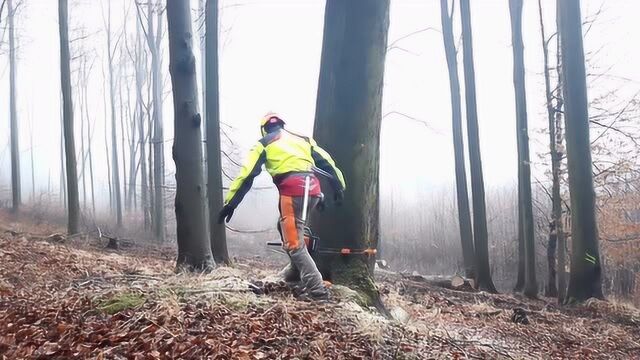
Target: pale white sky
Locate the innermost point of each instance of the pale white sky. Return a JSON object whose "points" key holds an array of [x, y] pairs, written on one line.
{"points": [[270, 58]]}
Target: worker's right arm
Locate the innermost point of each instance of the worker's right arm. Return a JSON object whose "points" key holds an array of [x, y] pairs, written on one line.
{"points": [[323, 160], [243, 182]]}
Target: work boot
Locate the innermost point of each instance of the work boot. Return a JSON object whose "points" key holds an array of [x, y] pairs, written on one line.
{"points": [[314, 297]]}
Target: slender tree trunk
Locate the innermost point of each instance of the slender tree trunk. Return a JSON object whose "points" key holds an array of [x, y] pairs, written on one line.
{"points": [[349, 103], [123, 132], [480, 233], [83, 159], [194, 248], [214, 162], [70, 151], [63, 178], [33, 168], [551, 289], [526, 205], [464, 215], [153, 39], [89, 152], [13, 113], [585, 280], [562, 246], [140, 79], [115, 173]]}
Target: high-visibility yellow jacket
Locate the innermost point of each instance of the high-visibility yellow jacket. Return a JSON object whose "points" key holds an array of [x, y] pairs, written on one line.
{"points": [[283, 153]]}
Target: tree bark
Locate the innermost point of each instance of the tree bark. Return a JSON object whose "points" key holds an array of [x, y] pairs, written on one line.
{"points": [[556, 231], [115, 167], [480, 233], [585, 280], [153, 40], [16, 190], [524, 182], [562, 255], [217, 232], [462, 193], [349, 103], [140, 61], [194, 248], [70, 150]]}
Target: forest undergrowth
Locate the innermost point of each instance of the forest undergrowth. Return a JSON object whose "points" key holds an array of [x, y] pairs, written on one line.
{"points": [[70, 298]]}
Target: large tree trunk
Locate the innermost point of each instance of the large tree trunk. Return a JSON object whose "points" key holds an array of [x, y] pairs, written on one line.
{"points": [[586, 269], [480, 233], [464, 215], [214, 162], [557, 209], [13, 113], [524, 182], [70, 148], [349, 103], [551, 290], [194, 249], [115, 167]]}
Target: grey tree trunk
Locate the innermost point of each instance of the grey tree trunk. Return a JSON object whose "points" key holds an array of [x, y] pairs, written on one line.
{"points": [[480, 233], [140, 62], [522, 127], [585, 280], [13, 113], [349, 103], [217, 231], [194, 247], [89, 152], [115, 167], [562, 246], [63, 178], [464, 214], [551, 290], [33, 168], [154, 40], [70, 149]]}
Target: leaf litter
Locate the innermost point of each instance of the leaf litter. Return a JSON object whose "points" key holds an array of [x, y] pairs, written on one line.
{"points": [[72, 299]]}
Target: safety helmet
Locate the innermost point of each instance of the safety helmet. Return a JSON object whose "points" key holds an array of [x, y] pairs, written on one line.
{"points": [[269, 119]]}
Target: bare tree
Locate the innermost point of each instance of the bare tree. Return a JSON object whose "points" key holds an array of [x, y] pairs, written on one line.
{"points": [[13, 113], [115, 168], [553, 111], [194, 247], [525, 208], [153, 36], [585, 280], [217, 231], [480, 233], [350, 103], [464, 215], [70, 151]]}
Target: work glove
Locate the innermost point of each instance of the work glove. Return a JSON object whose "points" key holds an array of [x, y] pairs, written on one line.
{"points": [[338, 197], [226, 212]]}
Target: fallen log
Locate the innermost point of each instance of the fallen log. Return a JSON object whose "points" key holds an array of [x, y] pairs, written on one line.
{"points": [[455, 282]]}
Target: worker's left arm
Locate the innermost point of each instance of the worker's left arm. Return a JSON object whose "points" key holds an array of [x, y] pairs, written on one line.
{"points": [[242, 184]]}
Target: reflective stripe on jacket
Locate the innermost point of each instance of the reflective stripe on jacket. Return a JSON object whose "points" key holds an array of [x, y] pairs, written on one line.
{"points": [[281, 153]]}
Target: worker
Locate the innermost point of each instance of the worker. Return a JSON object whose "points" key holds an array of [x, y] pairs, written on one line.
{"points": [[290, 159]]}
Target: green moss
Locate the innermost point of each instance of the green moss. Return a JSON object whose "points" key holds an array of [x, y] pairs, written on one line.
{"points": [[120, 302]]}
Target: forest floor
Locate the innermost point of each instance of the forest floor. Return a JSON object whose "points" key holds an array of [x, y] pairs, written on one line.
{"points": [[71, 298]]}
